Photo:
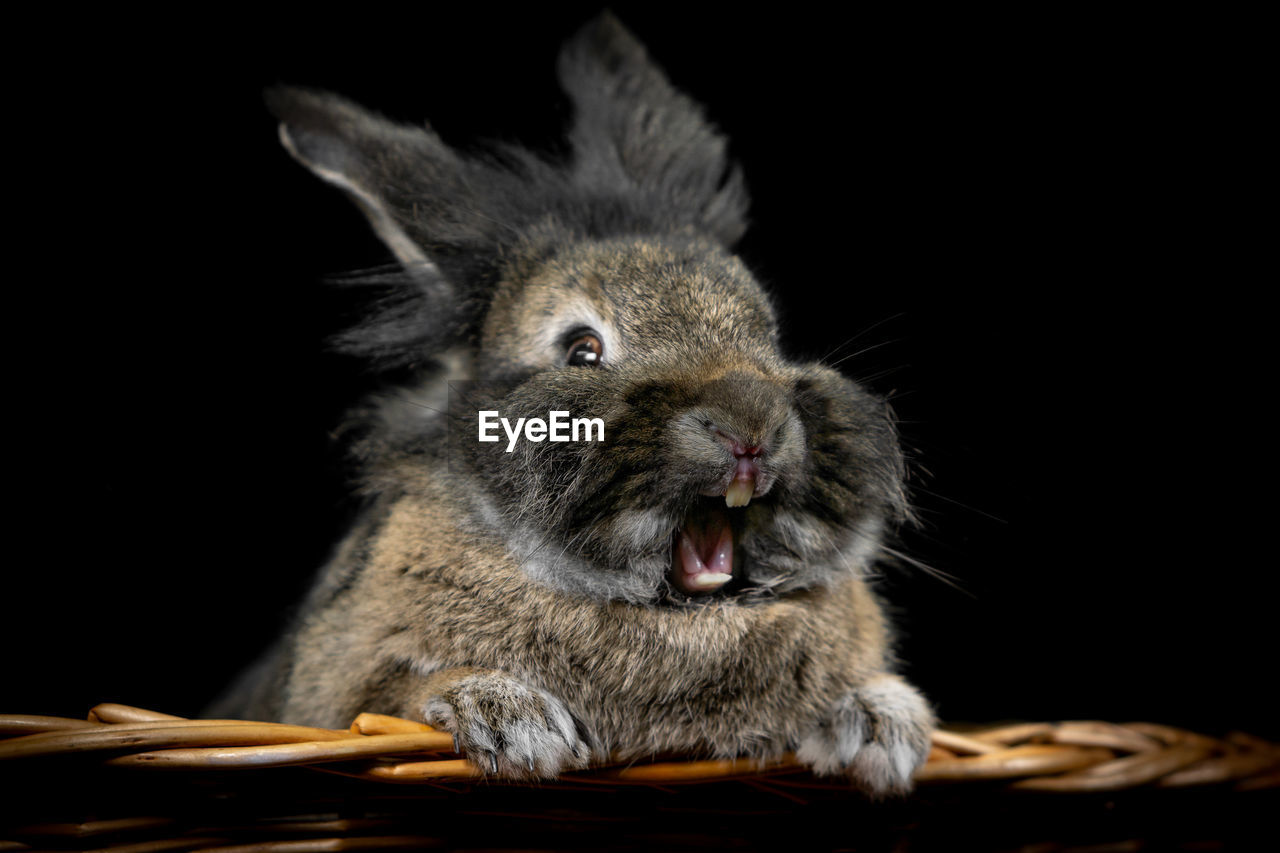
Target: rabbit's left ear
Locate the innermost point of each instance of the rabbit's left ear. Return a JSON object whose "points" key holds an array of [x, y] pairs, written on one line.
{"points": [[635, 135]]}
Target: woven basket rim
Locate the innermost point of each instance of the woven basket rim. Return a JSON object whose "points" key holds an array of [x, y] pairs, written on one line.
{"points": [[1067, 756]]}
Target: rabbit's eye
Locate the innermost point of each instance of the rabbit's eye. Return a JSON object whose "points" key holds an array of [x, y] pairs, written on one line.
{"points": [[585, 351]]}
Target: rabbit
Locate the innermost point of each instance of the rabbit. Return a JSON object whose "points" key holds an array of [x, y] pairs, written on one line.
{"points": [[693, 577]]}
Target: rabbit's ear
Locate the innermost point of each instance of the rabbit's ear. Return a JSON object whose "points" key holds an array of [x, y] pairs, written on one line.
{"points": [[633, 132], [382, 165], [415, 192]]}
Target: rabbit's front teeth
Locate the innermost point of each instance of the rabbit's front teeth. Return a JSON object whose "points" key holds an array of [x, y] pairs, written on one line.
{"points": [[743, 486], [739, 493]]}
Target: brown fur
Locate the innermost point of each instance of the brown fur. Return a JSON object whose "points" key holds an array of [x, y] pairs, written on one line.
{"points": [[723, 679], [522, 600]]}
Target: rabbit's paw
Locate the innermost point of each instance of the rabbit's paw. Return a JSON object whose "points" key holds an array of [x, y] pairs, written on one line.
{"points": [[877, 734], [508, 728]]}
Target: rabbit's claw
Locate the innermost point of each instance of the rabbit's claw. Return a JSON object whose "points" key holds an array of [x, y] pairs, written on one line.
{"points": [[508, 728], [877, 734]]}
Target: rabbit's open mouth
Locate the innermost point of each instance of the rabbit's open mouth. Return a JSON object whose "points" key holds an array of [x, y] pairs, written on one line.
{"points": [[703, 559]]}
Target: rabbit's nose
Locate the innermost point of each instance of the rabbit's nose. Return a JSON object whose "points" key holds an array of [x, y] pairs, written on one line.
{"points": [[743, 413], [746, 472], [736, 445]]}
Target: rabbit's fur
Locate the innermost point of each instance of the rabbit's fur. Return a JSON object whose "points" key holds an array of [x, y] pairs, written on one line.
{"points": [[530, 602]]}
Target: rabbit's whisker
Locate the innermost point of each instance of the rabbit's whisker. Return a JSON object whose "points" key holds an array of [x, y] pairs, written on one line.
{"points": [[961, 504], [946, 577], [864, 351], [867, 330], [872, 378], [388, 395]]}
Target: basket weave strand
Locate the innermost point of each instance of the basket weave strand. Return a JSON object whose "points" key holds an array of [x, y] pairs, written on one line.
{"points": [[132, 780], [1050, 757]]}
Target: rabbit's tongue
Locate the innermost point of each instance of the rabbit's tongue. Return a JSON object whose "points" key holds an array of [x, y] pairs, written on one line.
{"points": [[704, 553]]}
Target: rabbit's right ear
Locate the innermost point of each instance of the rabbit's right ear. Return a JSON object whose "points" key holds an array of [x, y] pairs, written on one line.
{"points": [[385, 167], [416, 194]]}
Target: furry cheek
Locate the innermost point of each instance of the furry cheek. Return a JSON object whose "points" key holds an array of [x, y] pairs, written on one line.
{"points": [[642, 530]]}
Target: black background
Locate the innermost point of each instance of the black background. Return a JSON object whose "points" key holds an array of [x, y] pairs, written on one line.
{"points": [[1040, 235]]}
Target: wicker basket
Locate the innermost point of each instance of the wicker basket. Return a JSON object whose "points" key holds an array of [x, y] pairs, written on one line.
{"points": [[137, 780]]}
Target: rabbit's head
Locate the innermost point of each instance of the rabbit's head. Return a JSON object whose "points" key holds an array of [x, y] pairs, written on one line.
{"points": [[602, 286]]}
